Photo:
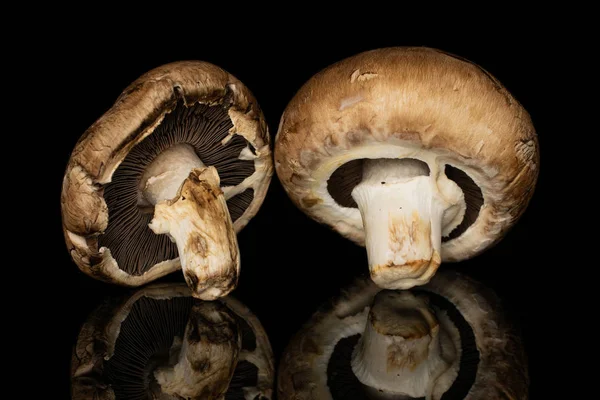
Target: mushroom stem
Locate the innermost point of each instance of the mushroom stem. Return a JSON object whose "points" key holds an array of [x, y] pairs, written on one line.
{"points": [[405, 214], [400, 351], [198, 220], [190, 207], [163, 177], [208, 355]]}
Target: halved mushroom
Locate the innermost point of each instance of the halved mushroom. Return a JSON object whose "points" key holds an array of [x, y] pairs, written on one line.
{"points": [[161, 343], [414, 153], [182, 156], [449, 339]]}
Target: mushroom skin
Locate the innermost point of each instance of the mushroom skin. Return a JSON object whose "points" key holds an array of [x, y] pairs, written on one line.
{"points": [[408, 104], [201, 364], [135, 115], [501, 370]]}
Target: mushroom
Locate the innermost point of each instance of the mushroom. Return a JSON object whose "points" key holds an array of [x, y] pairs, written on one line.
{"points": [[449, 339], [166, 178], [161, 343], [416, 154]]}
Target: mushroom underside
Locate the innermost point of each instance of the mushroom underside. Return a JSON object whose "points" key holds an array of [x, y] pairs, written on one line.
{"points": [[344, 384], [151, 338], [346, 177], [206, 129]]}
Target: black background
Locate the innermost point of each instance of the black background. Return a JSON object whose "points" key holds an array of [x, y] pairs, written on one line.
{"points": [[291, 264]]}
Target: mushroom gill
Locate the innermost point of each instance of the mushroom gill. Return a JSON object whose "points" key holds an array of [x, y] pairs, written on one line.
{"points": [[135, 247], [238, 203], [473, 199]]}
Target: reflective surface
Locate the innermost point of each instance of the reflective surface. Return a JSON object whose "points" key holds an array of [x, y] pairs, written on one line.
{"points": [[161, 343], [450, 339], [291, 264]]}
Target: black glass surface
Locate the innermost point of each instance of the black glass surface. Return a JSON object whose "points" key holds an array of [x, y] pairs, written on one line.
{"points": [[290, 263]]}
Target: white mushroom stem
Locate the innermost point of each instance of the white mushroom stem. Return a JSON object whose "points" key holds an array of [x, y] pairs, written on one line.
{"points": [[405, 212], [190, 207], [206, 357], [400, 352], [164, 176]]}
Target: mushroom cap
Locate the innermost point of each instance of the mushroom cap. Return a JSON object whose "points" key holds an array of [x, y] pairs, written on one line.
{"points": [[377, 102], [501, 371], [137, 112], [98, 336]]}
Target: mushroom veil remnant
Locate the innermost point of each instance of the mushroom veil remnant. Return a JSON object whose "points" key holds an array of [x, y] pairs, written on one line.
{"points": [[166, 178], [418, 155], [449, 339], [161, 343]]}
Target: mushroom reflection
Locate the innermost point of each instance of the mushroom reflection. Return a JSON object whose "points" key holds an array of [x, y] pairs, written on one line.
{"points": [[161, 343], [446, 340]]}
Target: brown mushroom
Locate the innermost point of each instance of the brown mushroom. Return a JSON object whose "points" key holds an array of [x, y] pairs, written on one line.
{"points": [[416, 154], [449, 339], [161, 343], [182, 156]]}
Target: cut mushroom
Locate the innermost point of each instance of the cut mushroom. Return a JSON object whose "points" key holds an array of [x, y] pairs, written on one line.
{"points": [[414, 153], [161, 343], [166, 178], [448, 339]]}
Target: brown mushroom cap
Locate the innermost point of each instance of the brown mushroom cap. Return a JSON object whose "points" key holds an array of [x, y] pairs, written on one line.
{"points": [[97, 368], [498, 369], [112, 153], [370, 105]]}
